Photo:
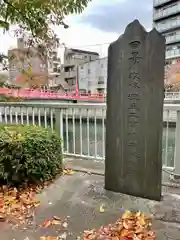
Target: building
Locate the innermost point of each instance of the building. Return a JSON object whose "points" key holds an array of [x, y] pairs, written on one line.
{"points": [[72, 59], [54, 68], [92, 76], [166, 18], [32, 66]]}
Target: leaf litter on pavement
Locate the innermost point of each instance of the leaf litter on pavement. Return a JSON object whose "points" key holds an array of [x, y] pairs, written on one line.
{"points": [[132, 226], [17, 205]]}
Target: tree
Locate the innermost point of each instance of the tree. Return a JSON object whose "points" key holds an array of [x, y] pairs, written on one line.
{"points": [[172, 77], [36, 17], [3, 79]]}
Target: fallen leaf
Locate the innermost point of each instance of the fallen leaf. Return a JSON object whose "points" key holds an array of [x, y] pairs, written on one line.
{"points": [[101, 209], [43, 238], [55, 222], [68, 171], [48, 238], [46, 223]]}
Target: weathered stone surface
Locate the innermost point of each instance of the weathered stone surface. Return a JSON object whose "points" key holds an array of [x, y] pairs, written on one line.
{"points": [[135, 92]]}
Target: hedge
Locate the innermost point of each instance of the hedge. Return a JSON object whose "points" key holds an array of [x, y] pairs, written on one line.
{"points": [[28, 154]]}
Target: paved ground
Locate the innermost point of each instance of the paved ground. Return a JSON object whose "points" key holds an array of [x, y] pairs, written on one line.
{"points": [[78, 197]]}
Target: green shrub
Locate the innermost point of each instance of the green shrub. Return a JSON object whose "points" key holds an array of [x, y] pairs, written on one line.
{"points": [[28, 153]]}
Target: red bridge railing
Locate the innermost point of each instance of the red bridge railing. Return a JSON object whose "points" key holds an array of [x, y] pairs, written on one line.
{"points": [[37, 93]]}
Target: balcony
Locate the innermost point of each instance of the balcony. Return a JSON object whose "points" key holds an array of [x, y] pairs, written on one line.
{"points": [[82, 126], [159, 14], [56, 60], [173, 53], [173, 24], [71, 74], [172, 39], [70, 62], [158, 3]]}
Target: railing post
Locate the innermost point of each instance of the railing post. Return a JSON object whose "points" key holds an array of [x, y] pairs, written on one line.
{"points": [[177, 142], [59, 125]]}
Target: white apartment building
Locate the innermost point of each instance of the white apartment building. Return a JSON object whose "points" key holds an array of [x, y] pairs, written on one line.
{"points": [[92, 76], [166, 19], [73, 58]]}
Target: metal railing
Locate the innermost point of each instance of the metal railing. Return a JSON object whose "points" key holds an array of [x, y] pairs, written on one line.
{"points": [[82, 127], [164, 26], [172, 95], [160, 13], [159, 2], [173, 38]]}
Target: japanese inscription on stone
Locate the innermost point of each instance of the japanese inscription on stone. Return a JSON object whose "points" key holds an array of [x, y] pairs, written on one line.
{"points": [[133, 99]]}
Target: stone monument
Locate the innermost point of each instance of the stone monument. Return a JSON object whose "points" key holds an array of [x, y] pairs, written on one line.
{"points": [[135, 93]]}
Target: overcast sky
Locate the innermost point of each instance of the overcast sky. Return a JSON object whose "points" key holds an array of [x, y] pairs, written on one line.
{"points": [[102, 22]]}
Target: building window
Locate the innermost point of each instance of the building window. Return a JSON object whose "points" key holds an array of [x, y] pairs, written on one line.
{"points": [[101, 80], [82, 67], [13, 66], [89, 71], [55, 69]]}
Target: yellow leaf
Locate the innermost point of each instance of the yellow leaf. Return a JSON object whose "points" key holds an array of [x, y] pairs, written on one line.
{"points": [[68, 171], [127, 215], [101, 209], [55, 222], [65, 171], [29, 70]]}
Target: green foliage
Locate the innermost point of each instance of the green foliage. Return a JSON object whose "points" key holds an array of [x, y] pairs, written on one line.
{"points": [[28, 154], [35, 16]]}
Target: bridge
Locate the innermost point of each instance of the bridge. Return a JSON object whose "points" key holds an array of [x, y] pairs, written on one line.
{"points": [[28, 93]]}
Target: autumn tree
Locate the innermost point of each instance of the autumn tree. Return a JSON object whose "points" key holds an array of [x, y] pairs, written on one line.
{"points": [[172, 77], [36, 17]]}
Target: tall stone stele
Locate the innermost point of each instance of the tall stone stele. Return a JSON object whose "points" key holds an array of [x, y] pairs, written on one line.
{"points": [[135, 93]]}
